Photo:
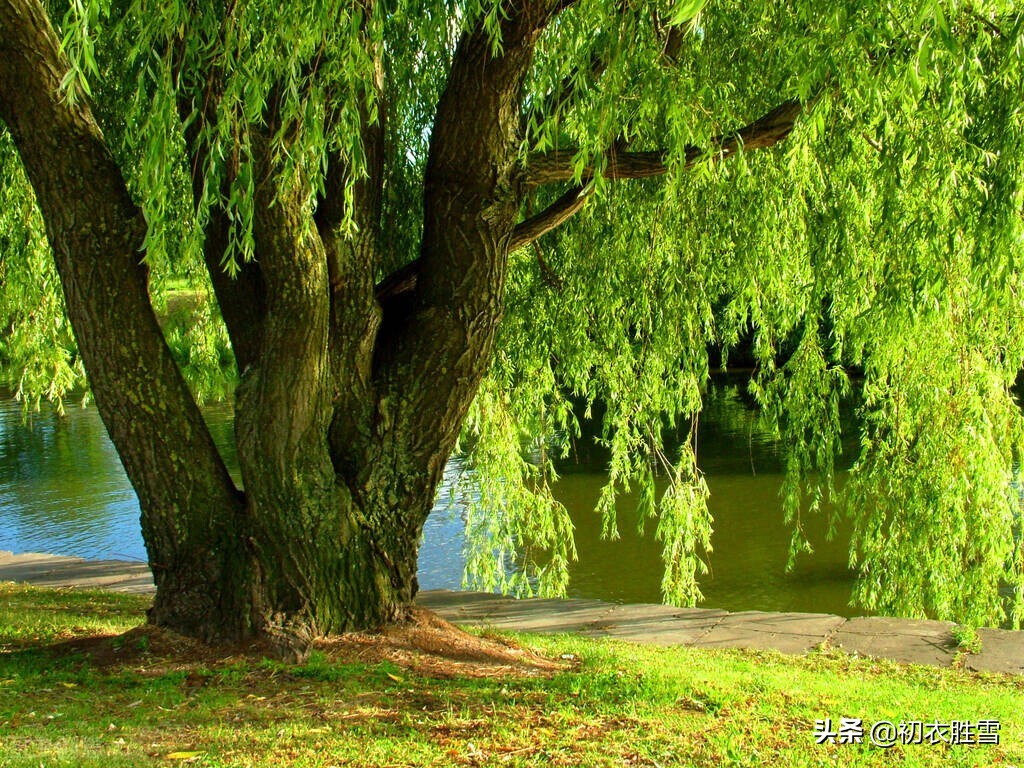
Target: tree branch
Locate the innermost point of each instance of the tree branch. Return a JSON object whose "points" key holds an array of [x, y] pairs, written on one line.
{"points": [[352, 262], [673, 45], [444, 333], [673, 36], [403, 281], [764, 132], [553, 216], [289, 381], [242, 298]]}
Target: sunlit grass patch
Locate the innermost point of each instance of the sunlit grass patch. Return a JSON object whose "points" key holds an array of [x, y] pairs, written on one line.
{"points": [[617, 704], [31, 616]]}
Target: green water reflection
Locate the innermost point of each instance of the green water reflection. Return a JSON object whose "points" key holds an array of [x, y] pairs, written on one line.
{"points": [[62, 490], [747, 567]]}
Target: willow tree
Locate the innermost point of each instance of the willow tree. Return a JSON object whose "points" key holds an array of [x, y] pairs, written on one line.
{"points": [[424, 218]]}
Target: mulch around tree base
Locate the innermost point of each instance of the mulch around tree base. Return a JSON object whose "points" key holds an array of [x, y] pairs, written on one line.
{"points": [[425, 644]]}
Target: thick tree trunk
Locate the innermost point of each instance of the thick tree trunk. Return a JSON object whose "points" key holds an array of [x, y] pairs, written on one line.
{"points": [[326, 566], [344, 417], [191, 510]]}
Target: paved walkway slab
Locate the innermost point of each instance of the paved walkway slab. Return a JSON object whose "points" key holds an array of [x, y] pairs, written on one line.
{"points": [[1002, 650], [547, 615], [58, 571], [657, 624], [786, 632], [463, 607], [917, 641], [905, 640]]}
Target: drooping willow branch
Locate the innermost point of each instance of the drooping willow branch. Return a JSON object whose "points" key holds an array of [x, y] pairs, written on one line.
{"points": [[553, 167], [766, 131]]}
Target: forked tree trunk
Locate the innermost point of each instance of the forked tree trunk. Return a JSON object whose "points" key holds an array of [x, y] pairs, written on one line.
{"points": [[344, 417], [329, 569]]}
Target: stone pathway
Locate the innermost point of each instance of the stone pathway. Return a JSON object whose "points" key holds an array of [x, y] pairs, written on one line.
{"points": [[905, 640], [59, 571]]}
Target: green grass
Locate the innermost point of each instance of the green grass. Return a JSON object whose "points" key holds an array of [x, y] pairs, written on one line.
{"points": [[623, 705], [967, 639]]}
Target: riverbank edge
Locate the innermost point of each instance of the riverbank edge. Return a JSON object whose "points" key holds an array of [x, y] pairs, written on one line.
{"points": [[912, 641]]}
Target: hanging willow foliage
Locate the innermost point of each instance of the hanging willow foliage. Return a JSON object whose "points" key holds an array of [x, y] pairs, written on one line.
{"points": [[882, 239]]}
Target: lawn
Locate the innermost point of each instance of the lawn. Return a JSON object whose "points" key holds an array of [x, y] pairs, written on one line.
{"points": [[82, 685]]}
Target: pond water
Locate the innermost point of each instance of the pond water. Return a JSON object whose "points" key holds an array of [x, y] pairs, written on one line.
{"points": [[62, 490]]}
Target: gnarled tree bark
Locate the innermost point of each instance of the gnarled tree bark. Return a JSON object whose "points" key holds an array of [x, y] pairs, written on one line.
{"points": [[349, 402], [191, 508], [343, 421]]}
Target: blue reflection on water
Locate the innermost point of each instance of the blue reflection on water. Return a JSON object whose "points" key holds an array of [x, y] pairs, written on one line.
{"points": [[63, 491]]}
